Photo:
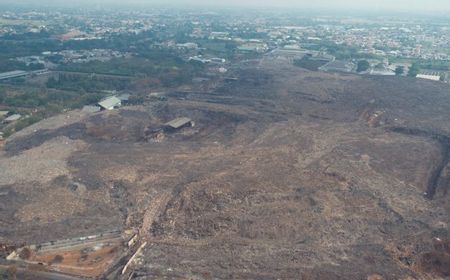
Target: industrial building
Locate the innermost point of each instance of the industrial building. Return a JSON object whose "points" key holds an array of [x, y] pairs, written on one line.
{"points": [[110, 103], [158, 134], [179, 123], [12, 118], [290, 53], [124, 98]]}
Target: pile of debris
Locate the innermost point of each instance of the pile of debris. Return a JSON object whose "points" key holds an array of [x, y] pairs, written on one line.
{"points": [[6, 249]]}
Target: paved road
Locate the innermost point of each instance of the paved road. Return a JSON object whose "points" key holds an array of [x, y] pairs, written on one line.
{"points": [[104, 75]]}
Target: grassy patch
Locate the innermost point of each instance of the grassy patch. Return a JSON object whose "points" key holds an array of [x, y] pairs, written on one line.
{"points": [[310, 64]]}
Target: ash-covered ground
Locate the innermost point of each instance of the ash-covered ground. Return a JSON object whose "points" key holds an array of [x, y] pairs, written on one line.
{"points": [[287, 174]]}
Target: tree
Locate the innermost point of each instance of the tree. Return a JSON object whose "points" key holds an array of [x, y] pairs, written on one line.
{"points": [[414, 70], [363, 65], [399, 70]]}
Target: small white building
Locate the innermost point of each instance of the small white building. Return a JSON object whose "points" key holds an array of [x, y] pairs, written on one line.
{"points": [[3, 114], [429, 77], [124, 98], [179, 123], [110, 103], [12, 118]]}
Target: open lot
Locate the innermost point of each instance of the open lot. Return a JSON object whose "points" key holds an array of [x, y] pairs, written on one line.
{"points": [[85, 260]]}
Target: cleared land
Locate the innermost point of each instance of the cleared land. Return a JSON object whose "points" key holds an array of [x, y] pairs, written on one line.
{"points": [[286, 174], [83, 260]]}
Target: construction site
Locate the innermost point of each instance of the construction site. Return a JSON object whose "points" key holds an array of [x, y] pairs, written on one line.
{"points": [[85, 256], [275, 173]]}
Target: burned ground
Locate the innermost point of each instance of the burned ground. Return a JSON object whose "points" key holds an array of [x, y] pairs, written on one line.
{"points": [[286, 174]]}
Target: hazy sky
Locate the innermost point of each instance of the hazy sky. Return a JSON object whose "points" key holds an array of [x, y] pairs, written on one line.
{"points": [[393, 5]]}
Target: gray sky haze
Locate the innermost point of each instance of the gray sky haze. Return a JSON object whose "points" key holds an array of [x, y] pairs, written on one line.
{"points": [[380, 5]]}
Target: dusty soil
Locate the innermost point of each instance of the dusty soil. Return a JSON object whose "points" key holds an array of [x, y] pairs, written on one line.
{"points": [[85, 261], [287, 174]]}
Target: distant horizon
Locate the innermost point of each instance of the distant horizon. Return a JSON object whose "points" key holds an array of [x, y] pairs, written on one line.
{"points": [[328, 6]]}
